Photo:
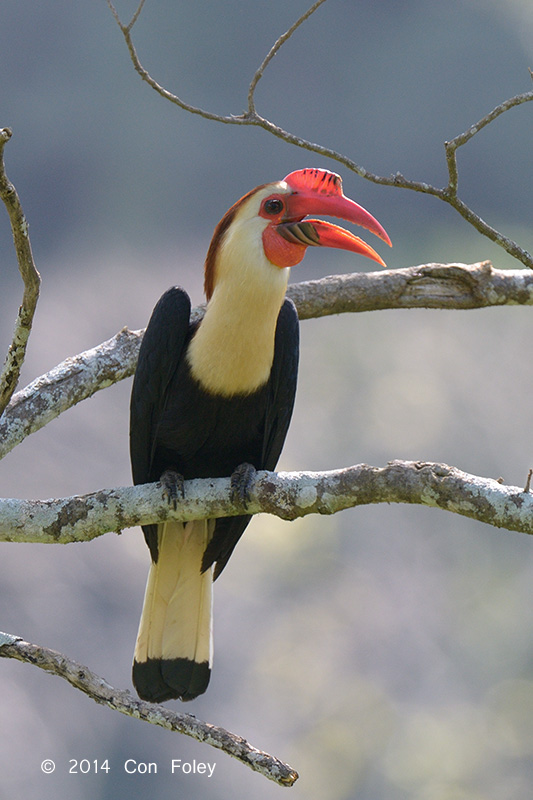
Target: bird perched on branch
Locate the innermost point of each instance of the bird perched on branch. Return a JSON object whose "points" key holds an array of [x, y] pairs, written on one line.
{"points": [[214, 399]]}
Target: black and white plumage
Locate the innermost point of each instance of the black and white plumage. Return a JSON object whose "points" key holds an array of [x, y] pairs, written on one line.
{"points": [[212, 396]]}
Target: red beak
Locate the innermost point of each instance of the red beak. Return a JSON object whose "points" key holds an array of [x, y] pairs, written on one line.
{"points": [[316, 191]]}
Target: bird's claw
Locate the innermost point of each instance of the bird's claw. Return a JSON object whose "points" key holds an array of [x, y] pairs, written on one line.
{"points": [[172, 484], [242, 480]]}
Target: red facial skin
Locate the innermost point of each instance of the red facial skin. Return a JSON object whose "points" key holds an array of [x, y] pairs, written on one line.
{"points": [[314, 192]]}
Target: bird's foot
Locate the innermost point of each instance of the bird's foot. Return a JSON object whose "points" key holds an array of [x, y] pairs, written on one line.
{"points": [[172, 484], [242, 480]]}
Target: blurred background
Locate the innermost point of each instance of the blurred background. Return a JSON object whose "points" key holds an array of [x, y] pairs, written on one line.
{"points": [[386, 652]]}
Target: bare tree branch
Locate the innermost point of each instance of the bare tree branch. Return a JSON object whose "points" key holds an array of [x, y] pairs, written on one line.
{"points": [[249, 118], [452, 286], [288, 495], [75, 379], [99, 690], [32, 281], [447, 194], [450, 192], [444, 286], [463, 138], [285, 494], [145, 75]]}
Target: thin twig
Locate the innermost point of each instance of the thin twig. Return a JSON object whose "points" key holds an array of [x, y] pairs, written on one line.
{"points": [[145, 75], [32, 281], [99, 690], [274, 50], [136, 15], [287, 495], [450, 193], [132, 21], [451, 286], [465, 137]]}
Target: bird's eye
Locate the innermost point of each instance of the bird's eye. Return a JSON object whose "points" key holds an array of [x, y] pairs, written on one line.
{"points": [[273, 206]]}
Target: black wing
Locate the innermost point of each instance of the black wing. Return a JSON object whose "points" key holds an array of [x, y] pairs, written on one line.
{"points": [[283, 379], [160, 353], [280, 403]]}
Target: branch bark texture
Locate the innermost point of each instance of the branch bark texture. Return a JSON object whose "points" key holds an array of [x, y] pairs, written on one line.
{"points": [[286, 495], [99, 690], [67, 384]]}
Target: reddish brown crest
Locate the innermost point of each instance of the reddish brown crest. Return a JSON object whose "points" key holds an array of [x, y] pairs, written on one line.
{"points": [[218, 235]]}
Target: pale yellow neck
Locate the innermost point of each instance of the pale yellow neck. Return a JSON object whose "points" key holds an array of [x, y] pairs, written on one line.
{"points": [[233, 348]]}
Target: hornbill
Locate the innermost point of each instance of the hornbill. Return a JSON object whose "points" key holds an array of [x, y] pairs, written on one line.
{"points": [[214, 398]]}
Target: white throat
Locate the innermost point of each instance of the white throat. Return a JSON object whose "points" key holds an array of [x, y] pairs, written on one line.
{"points": [[233, 348]]}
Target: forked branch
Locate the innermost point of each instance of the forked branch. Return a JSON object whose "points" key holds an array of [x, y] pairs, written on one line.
{"points": [[447, 194]]}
